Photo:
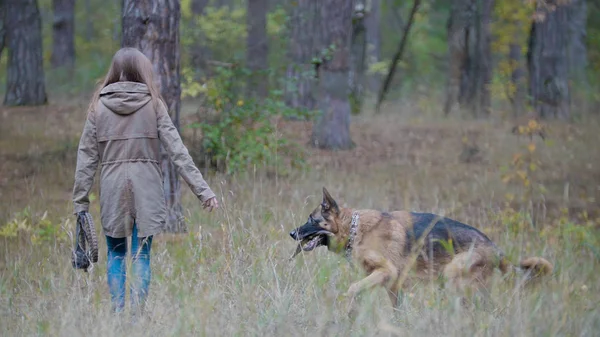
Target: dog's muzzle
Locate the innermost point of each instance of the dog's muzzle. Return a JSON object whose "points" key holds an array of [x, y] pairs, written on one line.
{"points": [[294, 235]]}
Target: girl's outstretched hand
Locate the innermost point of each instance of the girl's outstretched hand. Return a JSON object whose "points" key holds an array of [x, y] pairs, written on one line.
{"points": [[211, 204]]}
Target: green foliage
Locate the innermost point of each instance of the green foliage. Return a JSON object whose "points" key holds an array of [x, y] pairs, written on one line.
{"points": [[244, 134], [38, 230], [511, 24], [422, 68], [224, 32]]}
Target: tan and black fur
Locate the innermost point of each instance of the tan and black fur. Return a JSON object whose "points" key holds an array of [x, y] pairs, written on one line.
{"points": [[390, 245]]}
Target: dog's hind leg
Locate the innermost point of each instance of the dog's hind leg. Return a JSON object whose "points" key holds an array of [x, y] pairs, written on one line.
{"points": [[469, 272]]}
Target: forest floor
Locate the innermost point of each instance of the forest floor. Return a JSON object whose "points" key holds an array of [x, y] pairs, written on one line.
{"points": [[230, 275]]}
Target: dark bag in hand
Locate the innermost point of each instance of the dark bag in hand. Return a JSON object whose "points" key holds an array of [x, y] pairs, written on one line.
{"points": [[85, 236]]}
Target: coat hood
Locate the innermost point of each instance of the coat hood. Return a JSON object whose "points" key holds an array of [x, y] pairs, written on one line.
{"points": [[125, 98]]}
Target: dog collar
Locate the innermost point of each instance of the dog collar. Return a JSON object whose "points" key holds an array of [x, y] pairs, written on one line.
{"points": [[353, 227]]}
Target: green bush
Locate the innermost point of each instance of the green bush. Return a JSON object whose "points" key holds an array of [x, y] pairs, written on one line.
{"points": [[242, 134]]}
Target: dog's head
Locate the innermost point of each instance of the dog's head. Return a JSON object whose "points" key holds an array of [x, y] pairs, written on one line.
{"points": [[322, 227]]}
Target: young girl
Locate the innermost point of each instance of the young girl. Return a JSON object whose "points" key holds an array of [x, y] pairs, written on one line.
{"points": [[127, 122]]}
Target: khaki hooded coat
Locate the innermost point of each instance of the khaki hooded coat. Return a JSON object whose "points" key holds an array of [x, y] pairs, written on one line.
{"points": [[123, 135]]}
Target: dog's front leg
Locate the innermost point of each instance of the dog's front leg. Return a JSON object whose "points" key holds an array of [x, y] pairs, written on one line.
{"points": [[377, 277]]}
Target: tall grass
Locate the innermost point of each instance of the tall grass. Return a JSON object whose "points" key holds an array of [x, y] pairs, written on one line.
{"points": [[231, 274]]}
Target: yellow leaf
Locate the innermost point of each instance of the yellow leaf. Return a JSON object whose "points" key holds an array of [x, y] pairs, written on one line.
{"points": [[240, 102], [516, 158], [526, 182], [522, 174], [532, 124], [509, 196], [506, 179], [532, 167], [531, 147]]}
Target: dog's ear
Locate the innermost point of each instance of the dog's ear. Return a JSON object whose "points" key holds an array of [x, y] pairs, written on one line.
{"points": [[329, 205]]}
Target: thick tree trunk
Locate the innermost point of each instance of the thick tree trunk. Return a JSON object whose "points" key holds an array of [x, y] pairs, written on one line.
{"points": [[63, 33], [257, 50], [25, 79], [304, 44], [548, 62], [358, 53], [153, 28], [332, 129], [459, 29], [372, 24], [469, 45]]}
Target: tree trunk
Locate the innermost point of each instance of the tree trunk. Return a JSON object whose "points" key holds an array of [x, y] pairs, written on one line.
{"points": [[548, 62], [397, 55], [63, 33], [198, 51], [484, 59], [304, 44], [332, 129], [257, 47], [358, 54], [25, 79], [372, 24], [469, 45], [577, 50], [153, 28]]}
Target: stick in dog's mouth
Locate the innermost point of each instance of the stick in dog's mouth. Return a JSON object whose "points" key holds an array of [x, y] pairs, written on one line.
{"points": [[308, 245]]}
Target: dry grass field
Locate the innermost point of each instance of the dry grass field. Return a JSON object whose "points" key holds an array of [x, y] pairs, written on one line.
{"points": [[231, 274]]}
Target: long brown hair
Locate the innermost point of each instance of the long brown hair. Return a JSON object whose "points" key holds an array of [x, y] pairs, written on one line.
{"points": [[129, 64]]}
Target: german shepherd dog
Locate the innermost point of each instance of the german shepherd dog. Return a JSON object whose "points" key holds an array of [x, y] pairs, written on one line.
{"points": [[389, 245]]}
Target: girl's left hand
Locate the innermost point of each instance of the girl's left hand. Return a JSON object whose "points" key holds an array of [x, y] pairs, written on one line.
{"points": [[211, 204]]}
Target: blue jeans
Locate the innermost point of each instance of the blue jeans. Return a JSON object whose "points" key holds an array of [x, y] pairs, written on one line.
{"points": [[116, 270]]}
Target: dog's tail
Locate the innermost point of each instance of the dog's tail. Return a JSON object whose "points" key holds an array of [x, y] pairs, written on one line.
{"points": [[531, 267]]}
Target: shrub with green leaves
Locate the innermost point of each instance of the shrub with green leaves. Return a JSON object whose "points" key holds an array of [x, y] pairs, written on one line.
{"points": [[242, 133]]}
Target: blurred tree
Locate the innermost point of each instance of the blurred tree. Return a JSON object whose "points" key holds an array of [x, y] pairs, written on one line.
{"points": [[512, 21], [25, 79], [257, 49], [373, 28], [153, 27], [577, 12], [548, 60], [89, 27], [358, 55], [63, 33], [397, 56], [198, 51], [469, 46], [198, 6], [332, 129], [2, 27], [303, 46]]}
